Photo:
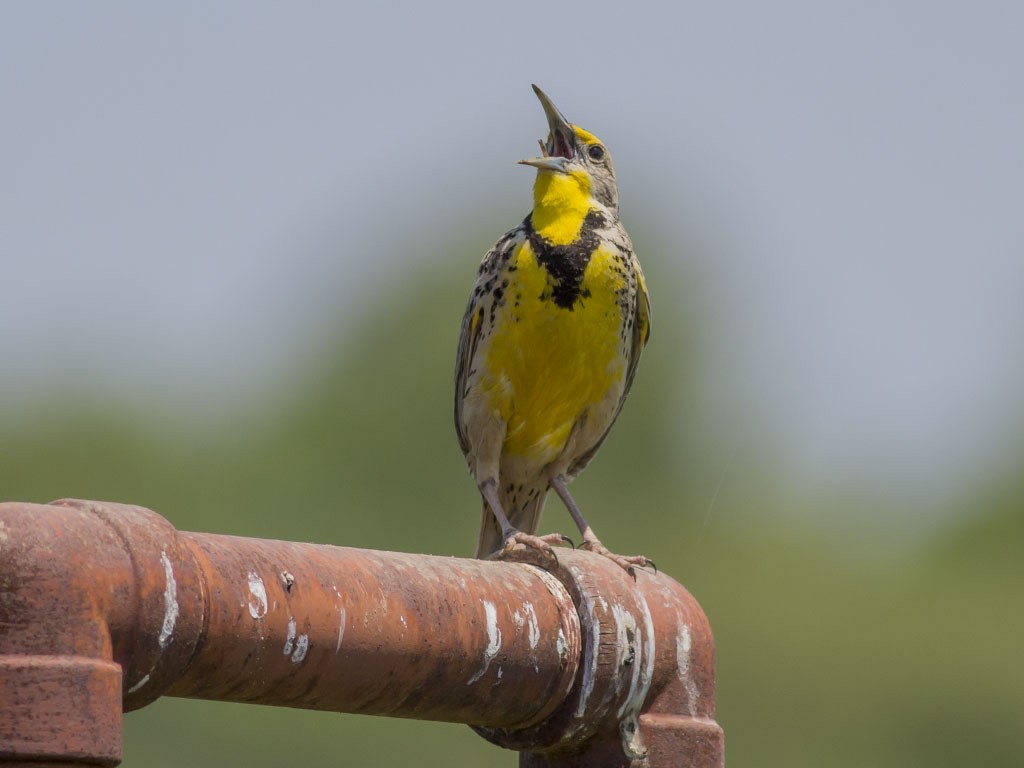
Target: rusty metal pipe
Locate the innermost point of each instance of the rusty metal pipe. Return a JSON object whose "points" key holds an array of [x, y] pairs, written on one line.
{"points": [[105, 607], [382, 633]]}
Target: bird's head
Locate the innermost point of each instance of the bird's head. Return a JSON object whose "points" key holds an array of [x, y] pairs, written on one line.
{"points": [[575, 156]]}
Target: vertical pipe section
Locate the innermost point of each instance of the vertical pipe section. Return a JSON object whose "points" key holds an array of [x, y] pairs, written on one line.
{"points": [[60, 689]]}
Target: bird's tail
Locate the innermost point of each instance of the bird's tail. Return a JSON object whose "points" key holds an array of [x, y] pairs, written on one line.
{"points": [[524, 514]]}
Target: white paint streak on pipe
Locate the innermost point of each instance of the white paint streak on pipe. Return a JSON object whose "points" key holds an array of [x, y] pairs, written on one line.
{"points": [[626, 653], [684, 643], [640, 681], [289, 640], [170, 602], [532, 625], [342, 618], [295, 645], [341, 628], [138, 685], [258, 601], [590, 671], [301, 646], [493, 640]]}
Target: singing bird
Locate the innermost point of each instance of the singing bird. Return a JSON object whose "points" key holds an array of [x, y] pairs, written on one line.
{"points": [[549, 344]]}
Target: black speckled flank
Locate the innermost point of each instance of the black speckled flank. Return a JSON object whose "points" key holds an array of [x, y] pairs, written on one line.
{"points": [[566, 263]]}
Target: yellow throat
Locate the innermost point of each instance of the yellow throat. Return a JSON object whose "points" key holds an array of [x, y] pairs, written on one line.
{"points": [[562, 200]]}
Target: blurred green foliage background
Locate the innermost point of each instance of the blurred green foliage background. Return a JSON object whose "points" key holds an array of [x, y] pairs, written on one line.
{"points": [[839, 643]]}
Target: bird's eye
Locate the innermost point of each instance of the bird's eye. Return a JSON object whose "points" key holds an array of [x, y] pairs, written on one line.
{"points": [[596, 152]]}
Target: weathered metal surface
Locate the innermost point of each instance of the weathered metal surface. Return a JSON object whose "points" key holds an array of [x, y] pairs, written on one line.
{"points": [[645, 694], [155, 606], [107, 606], [382, 633], [60, 692], [65, 708]]}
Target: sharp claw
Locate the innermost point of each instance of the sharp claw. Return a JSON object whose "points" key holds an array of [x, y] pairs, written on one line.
{"points": [[519, 544]]}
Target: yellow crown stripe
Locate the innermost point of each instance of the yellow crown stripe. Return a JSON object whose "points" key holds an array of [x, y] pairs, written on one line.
{"points": [[585, 136]]}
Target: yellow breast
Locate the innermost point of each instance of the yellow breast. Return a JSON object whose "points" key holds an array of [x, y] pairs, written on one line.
{"points": [[546, 364]]}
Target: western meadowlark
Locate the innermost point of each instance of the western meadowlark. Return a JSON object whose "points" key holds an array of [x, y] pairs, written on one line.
{"points": [[549, 345]]}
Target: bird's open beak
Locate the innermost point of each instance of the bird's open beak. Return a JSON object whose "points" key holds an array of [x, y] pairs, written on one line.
{"points": [[560, 147]]}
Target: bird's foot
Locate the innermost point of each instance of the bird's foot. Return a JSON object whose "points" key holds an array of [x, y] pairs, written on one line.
{"points": [[525, 547], [629, 563]]}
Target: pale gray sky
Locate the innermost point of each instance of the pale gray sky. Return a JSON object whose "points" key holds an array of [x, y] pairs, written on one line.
{"points": [[175, 180]]}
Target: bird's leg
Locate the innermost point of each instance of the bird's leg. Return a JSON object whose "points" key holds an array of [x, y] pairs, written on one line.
{"points": [[590, 540], [511, 535]]}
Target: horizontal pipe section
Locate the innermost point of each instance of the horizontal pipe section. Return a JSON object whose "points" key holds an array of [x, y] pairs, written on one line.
{"points": [[105, 607], [380, 633]]}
